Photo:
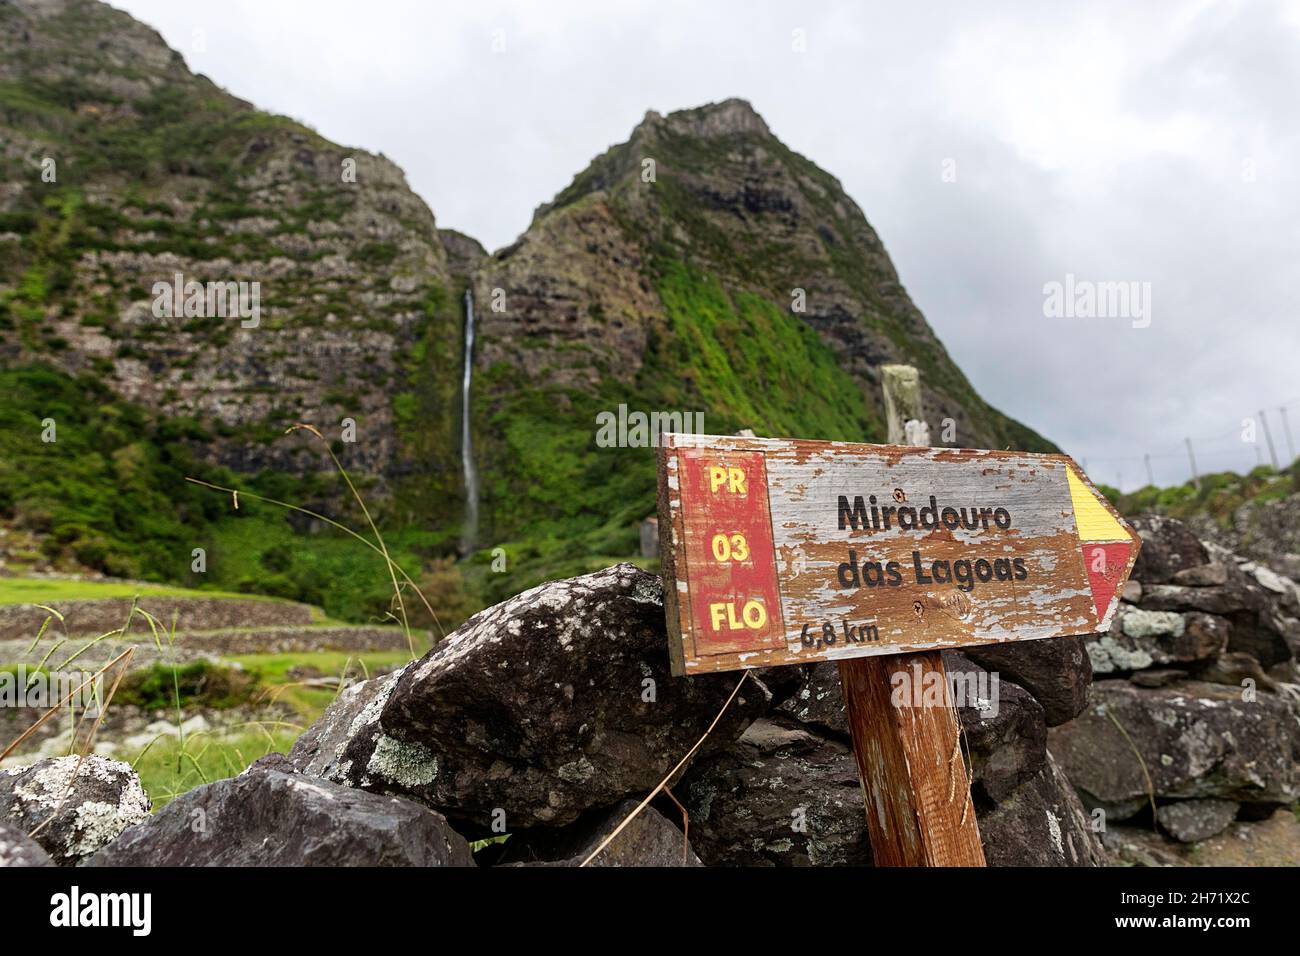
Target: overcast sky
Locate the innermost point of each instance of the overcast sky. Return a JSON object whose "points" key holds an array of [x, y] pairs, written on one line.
{"points": [[1155, 142]]}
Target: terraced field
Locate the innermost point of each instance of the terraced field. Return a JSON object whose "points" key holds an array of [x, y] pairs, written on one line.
{"points": [[213, 681]]}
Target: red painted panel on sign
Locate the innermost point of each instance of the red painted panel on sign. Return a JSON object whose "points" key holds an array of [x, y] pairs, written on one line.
{"points": [[735, 599], [1105, 564]]}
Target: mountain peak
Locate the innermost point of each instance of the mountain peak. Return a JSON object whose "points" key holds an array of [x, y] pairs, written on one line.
{"points": [[727, 118]]}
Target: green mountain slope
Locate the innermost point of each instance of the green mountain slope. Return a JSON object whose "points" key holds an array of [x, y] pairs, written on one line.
{"points": [[737, 282], [122, 169], [700, 267]]}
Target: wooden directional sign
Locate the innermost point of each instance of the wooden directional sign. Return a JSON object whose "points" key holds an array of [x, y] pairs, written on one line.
{"points": [[783, 552]]}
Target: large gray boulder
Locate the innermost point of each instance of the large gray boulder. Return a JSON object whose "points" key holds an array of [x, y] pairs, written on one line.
{"points": [[1004, 735], [72, 806], [1168, 547], [552, 703], [1193, 739], [1041, 823], [18, 849], [782, 795], [1057, 672], [268, 817]]}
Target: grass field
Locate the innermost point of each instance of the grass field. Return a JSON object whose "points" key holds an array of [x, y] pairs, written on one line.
{"points": [[48, 590], [169, 766]]}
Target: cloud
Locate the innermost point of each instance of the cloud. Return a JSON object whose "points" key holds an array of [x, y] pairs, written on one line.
{"points": [[1155, 143]]}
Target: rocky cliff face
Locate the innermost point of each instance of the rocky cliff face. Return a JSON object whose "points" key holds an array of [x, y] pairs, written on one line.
{"points": [[702, 266], [124, 169]]}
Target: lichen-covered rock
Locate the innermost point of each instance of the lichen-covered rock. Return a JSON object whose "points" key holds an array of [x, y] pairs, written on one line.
{"points": [[1151, 624], [18, 849], [1193, 739], [650, 839], [1042, 823], [72, 806], [1057, 672], [341, 743], [1141, 639], [1191, 820], [554, 702], [1260, 606], [267, 817], [782, 795]]}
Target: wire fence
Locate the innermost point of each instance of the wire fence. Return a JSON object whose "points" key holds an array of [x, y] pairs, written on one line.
{"points": [[1262, 438]]}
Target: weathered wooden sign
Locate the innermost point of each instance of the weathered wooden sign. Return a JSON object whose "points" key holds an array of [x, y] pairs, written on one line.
{"points": [[783, 552]]}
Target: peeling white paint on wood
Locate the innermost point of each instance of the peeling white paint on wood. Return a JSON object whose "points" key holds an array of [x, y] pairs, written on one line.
{"points": [[808, 553]]}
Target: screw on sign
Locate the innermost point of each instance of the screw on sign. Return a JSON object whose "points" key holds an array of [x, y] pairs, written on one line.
{"points": [[786, 552]]}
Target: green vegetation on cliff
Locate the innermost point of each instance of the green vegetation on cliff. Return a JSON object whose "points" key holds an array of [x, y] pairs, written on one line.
{"points": [[1217, 496], [751, 365], [109, 494]]}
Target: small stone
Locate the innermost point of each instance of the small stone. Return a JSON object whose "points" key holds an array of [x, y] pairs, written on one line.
{"points": [[1205, 575], [818, 698], [18, 849], [650, 839], [1206, 635], [1191, 820], [1157, 678], [1274, 841]]}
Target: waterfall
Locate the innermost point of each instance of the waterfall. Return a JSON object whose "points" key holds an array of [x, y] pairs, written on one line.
{"points": [[466, 444]]}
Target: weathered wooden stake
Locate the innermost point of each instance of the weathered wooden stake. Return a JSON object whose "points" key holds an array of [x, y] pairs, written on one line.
{"points": [[919, 809]]}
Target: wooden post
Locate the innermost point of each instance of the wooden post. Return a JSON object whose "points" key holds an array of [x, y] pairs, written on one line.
{"points": [[919, 808]]}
